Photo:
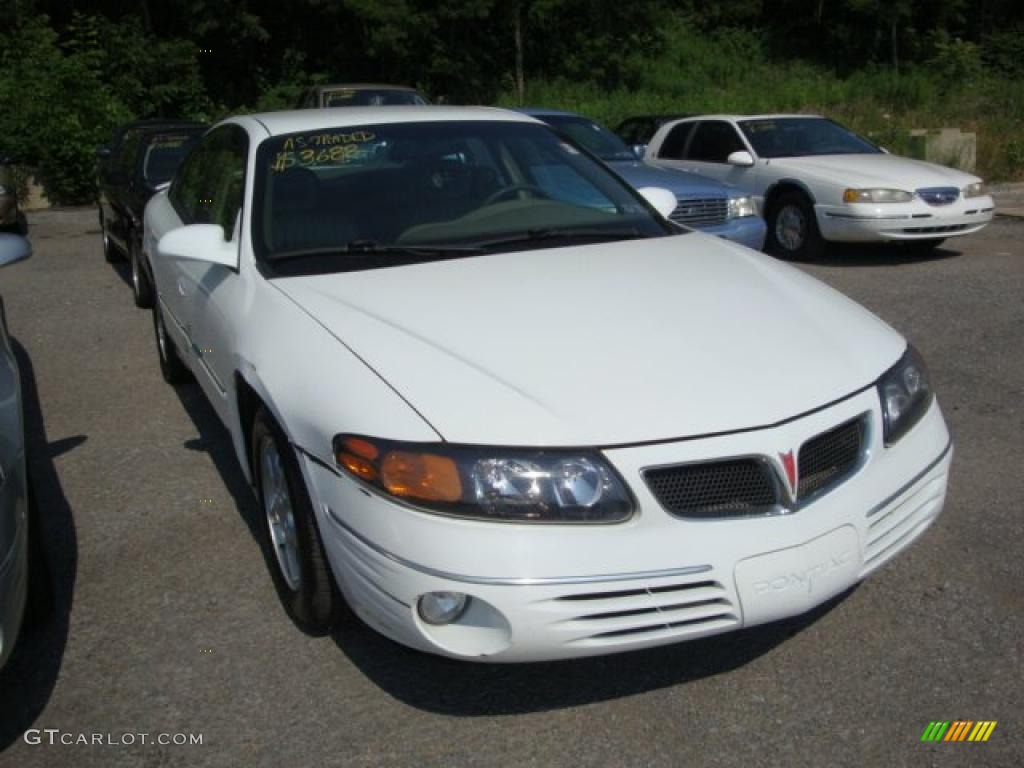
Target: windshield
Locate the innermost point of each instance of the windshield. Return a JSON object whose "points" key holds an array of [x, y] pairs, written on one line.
{"points": [[591, 136], [803, 137], [371, 97], [164, 154], [379, 195]]}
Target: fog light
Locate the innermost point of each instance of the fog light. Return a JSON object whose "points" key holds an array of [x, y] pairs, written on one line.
{"points": [[442, 607]]}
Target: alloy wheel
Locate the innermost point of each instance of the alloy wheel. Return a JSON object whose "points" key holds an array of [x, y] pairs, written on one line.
{"points": [[790, 228], [280, 514]]}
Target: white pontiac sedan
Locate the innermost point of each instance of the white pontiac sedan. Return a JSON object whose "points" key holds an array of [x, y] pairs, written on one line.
{"points": [[487, 393], [816, 181]]}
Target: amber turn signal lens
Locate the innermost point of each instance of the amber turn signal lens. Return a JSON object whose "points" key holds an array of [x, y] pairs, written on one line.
{"points": [[357, 465], [361, 447], [420, 476]]}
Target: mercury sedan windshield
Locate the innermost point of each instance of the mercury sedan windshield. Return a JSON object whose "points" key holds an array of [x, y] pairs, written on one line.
{"points": [[803, 137], [370, 196]]}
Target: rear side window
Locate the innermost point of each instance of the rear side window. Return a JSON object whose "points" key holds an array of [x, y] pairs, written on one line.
{"points": [[674, 144], [713, 142]]}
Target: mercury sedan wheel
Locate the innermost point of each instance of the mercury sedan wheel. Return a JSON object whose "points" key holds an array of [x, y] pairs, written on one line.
{"points": [[793, 228], [289, 532]]}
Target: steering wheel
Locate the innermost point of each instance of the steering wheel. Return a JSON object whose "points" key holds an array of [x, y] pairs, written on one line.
{"points": [[507, 191]]}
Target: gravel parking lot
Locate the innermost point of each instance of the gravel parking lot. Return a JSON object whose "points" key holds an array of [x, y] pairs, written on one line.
{"points": [[166, 620]]}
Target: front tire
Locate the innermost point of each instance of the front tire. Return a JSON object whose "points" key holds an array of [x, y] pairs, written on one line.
{"points": [[110, 252], [289, 533], [793, 228], [142, 291], [172, 368]]}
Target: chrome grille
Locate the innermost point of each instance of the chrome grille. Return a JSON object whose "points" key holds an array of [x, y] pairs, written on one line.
{"points": [[939, 195], [829, 458], [707, 212], [717, 489]]}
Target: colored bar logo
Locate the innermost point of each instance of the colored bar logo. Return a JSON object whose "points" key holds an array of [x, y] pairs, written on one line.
{"points": [[959, 730]]}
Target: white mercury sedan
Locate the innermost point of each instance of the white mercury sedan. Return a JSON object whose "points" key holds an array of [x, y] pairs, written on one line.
{"points": [[816, 181], [488, 394]]}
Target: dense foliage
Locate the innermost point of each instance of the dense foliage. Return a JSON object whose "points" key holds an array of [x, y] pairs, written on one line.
{"points": [[70, 72]]}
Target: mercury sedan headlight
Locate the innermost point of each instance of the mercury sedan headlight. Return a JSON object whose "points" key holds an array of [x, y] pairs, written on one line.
{"points": [[877, 196], [741, 206], [977, 189], [905, 393], [502, 484]]}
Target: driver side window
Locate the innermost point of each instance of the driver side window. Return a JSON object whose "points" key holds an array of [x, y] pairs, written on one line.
{"points": [[713, 142], [209, 187]]}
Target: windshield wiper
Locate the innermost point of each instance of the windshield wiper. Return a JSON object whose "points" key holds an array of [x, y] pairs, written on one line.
{"points": [[365, 249], [542, 235]]}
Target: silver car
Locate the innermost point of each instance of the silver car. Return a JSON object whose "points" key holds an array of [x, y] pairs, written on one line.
{"points": [[14, 547]]}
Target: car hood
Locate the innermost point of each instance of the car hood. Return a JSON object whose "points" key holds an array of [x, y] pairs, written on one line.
{"points": [[604, 344], [683, 184], [889, 171]]}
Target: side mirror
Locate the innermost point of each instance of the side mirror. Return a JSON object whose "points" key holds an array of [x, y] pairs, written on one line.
{"points": [[13, 248], [103, 153], [743, 159], [663, 200], [200, 242], [639, 149]]}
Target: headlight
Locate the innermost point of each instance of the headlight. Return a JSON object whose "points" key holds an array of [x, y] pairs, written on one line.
{"points": [[506, 484], [741, 206], [905, 393], [877, 196], [977, 189]]}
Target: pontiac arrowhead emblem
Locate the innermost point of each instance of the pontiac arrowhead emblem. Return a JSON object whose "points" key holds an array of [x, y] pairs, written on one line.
{"points": [[789, 464]]}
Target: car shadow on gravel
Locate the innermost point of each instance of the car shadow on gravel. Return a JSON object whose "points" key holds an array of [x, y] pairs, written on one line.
{"points": [[215, 441], [857, 255], [28, 679], [469, 689]]}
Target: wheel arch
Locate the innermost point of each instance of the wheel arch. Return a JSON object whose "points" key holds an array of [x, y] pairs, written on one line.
{"points": [[781, 187]]}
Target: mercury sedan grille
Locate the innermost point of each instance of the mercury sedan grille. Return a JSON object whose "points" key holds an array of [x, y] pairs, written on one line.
{"points": [[939, 195], [707, 212], [716, 489]]}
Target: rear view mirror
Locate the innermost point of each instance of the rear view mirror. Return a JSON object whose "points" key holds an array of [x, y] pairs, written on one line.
{"points": [[13, 248], [663, 200], [200, 242], [103, 152], [639, 149], [742, 158]]}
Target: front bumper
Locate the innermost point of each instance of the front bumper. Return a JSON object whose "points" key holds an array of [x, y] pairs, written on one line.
{"points": [[915, 220], [749, 231], [550, 592]]}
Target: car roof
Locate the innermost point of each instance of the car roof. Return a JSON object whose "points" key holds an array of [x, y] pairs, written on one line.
{"points": [[662, 116], [545, 111], [364, 86], [765, 116], [296, 120]]}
